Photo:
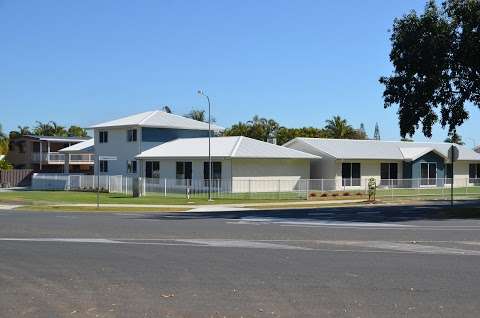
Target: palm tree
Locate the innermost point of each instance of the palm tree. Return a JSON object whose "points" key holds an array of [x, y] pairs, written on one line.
{"points": [[43, 129], [58, 130], [338, 128]]}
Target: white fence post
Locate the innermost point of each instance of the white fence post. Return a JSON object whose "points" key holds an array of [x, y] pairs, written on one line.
{"points": [[165, 188]]}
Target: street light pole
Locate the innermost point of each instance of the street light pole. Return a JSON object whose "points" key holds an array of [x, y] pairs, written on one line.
{"points": [[209, 146]]}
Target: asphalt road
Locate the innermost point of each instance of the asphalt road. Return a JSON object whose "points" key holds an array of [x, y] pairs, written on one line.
{"points": [[348, 262]]}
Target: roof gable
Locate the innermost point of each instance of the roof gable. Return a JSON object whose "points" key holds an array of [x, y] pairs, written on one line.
{"points": [[157, 119], [378, 149], [223, 147]]}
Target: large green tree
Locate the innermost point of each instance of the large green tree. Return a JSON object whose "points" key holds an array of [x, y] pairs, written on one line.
{"points": [[454, 138], [436, 59]]}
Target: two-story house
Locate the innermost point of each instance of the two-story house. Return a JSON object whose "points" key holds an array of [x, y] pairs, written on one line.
{"points": [[127, 137], [42, 154]]}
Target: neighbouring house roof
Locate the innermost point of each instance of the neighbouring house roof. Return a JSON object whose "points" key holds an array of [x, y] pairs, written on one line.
{"points": [[86, 146], [378, 149], [223, 147], [54, 138], [158, 119]]}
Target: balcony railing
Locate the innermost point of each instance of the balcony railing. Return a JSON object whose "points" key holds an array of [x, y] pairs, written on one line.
{"points": [[59, 158]]}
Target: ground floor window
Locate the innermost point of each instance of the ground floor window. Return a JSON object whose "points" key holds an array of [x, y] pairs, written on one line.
{"points": [[152, 169], [183, 171], [131, 166], [474, 173], [350, 174], [428, 173], [103, 166], [216, 172], [389, 173]]}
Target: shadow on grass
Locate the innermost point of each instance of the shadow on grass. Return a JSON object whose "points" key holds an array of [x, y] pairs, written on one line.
{"points": [[371, 214]]}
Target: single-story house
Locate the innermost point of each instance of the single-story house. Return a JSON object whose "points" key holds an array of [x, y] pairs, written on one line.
{"points": [[391, 163], [239, 164]]}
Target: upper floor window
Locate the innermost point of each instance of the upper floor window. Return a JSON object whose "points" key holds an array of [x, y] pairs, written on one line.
{"points": [[132, 166], [131, 135], [103, 137]]}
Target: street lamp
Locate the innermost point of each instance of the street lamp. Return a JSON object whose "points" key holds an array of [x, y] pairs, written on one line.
{"points": [[209, 146]]}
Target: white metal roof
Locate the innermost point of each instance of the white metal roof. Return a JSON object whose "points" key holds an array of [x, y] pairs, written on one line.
{"points": [[56, 138], [379, 149], [82, 147], [157, 119], [223, 147]]}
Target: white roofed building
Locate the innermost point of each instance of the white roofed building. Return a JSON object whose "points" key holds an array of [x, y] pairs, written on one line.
{"points": [[126, 137], [354, 161], [238, 163]]}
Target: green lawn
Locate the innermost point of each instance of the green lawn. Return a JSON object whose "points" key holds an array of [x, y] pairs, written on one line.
{"points": [[59, 197]]}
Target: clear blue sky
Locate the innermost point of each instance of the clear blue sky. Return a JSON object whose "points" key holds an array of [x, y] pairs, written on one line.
{"points": [[300, 62]]}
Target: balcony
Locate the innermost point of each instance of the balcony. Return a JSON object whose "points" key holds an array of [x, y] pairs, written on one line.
{"points": [[59, 158]]}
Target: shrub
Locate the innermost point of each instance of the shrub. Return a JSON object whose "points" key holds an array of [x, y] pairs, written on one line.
{"points": [[324, 195], [313, 194], [359, 193], [346, 194], [334, 194]]}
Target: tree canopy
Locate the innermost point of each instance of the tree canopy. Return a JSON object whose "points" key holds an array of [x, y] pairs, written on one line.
{"points": [[263, 129], [50, 128], [436, 59]]}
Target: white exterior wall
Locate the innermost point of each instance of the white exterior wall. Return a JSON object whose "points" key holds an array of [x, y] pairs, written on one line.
{"points": [[118, 146], [461, 173], [269, 175], [368, 169], [168, 168]]}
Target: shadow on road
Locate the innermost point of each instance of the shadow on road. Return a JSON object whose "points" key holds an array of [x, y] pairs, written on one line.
{"points": [[371, 214]]}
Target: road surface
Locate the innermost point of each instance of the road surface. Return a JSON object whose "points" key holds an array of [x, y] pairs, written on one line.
{"points": [[343, 262]]}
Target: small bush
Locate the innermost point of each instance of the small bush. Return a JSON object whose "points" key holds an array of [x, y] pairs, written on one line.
{"points": [[313, 194], [346, 194], [324, 195], [334, 194], [359, 193]]}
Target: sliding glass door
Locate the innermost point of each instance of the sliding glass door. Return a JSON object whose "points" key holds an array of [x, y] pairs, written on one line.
{"points": [[429, 173]]}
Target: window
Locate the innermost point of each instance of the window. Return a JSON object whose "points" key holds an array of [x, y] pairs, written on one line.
{"points": [[350, 174], [216, 171], [131, 166], [103, 137], [474, 172], [389, 171], [184, 170], [448, 173], [103, 166], [152, 169], [428, 173], [131, 135]]}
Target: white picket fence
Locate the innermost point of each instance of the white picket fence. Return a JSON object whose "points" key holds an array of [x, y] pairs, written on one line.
{"points": [[79, 182], [257, 188]]}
